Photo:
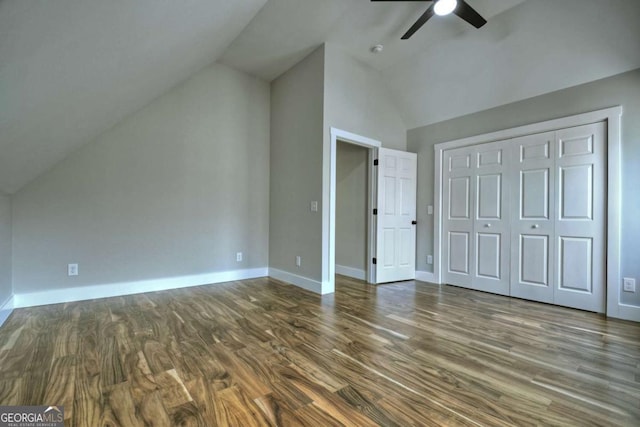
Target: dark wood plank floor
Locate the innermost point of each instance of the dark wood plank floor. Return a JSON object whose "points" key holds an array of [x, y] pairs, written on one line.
{"points": [[260, 352]]}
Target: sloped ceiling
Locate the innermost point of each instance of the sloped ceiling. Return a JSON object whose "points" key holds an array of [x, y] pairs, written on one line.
{"points": [[537, 47], [285, 31], [71, 69]]}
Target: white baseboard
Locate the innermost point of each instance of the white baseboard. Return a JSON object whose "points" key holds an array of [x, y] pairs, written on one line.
{"points": [[128, 288], [6, 309], [356, 273], [300, 281], [628, 312], [425, 276]]}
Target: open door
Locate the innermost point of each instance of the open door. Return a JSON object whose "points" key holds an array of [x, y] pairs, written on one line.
{"points": [[396, 214]]}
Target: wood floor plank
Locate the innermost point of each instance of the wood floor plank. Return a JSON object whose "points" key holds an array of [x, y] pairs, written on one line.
{"points": [[263, 353], [152, 411], [234, 408], [122, 406], [60, 388]]}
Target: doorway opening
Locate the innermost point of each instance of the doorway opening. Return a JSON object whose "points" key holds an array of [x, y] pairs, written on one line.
{"points": [[352, 219], [329, 206]]}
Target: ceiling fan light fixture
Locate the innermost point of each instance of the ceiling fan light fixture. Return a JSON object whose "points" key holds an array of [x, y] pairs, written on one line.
{"points": [[445, 7]]}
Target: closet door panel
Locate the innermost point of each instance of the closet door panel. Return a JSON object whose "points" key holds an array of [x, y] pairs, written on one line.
{"points": [[532, 225], [458, 207], [491, 218], [580, 220]]}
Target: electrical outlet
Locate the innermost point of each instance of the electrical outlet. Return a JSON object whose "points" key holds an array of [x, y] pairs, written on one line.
{"points": [[429, 259], [298, 261], [72, 269], [629, 284], [239, 256]]}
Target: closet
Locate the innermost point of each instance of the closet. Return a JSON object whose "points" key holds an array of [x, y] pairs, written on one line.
{"points": [[526, 217]]}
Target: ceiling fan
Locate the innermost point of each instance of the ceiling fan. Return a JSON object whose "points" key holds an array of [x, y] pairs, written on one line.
{"points": [[445, 7]]}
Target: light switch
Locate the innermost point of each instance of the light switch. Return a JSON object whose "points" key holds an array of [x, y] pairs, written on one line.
{"points": [[629, 284], [430, 210], [314, 206]]}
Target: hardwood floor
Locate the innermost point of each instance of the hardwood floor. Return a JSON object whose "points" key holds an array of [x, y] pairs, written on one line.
{"points": [[259, 352]]}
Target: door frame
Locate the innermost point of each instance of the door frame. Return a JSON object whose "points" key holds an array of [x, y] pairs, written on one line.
{"points": [[612, 117], [329, 204]]}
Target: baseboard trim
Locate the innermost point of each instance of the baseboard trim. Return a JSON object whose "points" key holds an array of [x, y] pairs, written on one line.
{"points": [[356, 273], [6, 309], [628, 312], [129, 288], [299, 281], [425, 276]]}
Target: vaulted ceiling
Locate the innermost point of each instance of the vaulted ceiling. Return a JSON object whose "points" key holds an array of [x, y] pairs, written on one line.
{"points": [[354, 25], [71, 69]]}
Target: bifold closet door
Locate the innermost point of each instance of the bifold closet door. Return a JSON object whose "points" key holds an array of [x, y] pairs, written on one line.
{"points": [[558, 218], [580, 222], [491, 229], [532, 225], [475, 218], [458, 206], [526, 217]]}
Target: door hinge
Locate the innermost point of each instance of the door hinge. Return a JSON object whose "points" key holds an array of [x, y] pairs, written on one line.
{"points": [[375, 211], [375, 162], [375, 261]]}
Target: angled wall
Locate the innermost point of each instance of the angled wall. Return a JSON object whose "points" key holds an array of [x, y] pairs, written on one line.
{"points": [[169, 195]]}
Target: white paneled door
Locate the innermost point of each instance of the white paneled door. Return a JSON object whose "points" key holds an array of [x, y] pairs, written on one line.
{"points": [[526, 217], [580, 218], [491, 219], [476, 223], [532, 213], [458, 208], [396, 229]]}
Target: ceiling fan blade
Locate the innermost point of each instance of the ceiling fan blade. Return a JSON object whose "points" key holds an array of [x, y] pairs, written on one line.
{"points": [[419, 23], [469, 14]]}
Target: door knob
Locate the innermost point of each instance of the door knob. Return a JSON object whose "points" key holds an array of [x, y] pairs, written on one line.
{"points": [[488, 225], [414, 222], [535, 226]]}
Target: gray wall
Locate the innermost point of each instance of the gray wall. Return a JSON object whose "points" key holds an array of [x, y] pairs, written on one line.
{"points": [[5, 249], [327, 89], [356, 100], [623, 89], [351, 206], [176, 189], [297, 99]]}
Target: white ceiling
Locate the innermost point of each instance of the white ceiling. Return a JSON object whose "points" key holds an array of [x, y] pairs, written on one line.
{"points": [[538, 47], [354, 25], [71, 69]]}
